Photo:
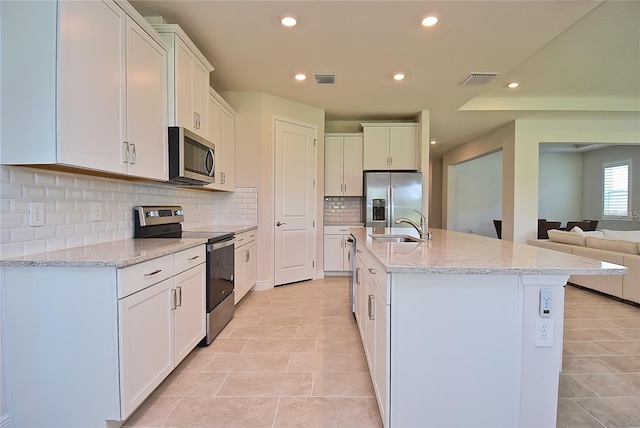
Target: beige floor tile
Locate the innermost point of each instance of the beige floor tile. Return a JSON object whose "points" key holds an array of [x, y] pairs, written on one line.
{"points": [[263, 333], [342, 385], [247, 412], [328, 310], [339, 346], [627, 333], [190, 385], [288, 303], [240, 311], [579, 365], [602, 314], [329, 332], [226, 331], [286, 311], [621, 347], [325, 412], [251, 303], [570, 415], [569, 315], [341, 320], [613, 412], [582, 324], [622, 363], [584, 348], [279, 346], [570, 387], [153, 412], [612, 385], [295, 321], [626, 322], [249, 363], [222, 346], [336, 363], [194, 362], [248, 321], [267, 385], [591, 335]]}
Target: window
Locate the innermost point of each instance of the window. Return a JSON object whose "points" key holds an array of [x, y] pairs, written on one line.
{"points": [[615, 178]]}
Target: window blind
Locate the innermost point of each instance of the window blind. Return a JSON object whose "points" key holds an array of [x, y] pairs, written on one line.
{"points": [[616, 189]]}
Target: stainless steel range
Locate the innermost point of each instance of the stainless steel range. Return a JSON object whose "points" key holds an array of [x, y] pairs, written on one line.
{"points": [[165, 222]]}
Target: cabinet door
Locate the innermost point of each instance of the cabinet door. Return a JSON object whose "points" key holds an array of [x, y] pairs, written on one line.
{"points": [[361, 299], [333, 252], [228, 142], [240, 286], [352, 165], [369, 320], [380, 352], [200, 96], [146, 104], [251, 265], [333, 167], [190, 322], [403, 149], [185, 114], [214, 121], [376, 148], [92, 85], [146, 343]]}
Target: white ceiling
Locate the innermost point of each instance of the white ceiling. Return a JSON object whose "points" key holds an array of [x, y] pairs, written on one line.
{"points": [[576, 58]]}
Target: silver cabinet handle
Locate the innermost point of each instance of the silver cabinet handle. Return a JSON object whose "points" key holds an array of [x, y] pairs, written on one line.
{"points": [[280, 224], [247, 256], [178, 296], [358, 275], [193, 258], [153, 273], [126, 151], [370, 306], [173, 299], [372, 271], [358, 251], [134, 155], [349, 257]]}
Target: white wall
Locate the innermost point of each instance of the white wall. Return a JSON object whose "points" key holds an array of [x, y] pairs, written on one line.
{"points": [[255, 164], [592, 185], [560, 187], [475, 195]]}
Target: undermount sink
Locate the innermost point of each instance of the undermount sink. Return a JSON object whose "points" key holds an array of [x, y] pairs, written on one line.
{"points": [[395, 238]]}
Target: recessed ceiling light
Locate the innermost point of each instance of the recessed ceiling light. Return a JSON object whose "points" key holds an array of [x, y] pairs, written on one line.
{"points": [[300, 76], [288, 21], [432, 142], [429, 21], [513, 85], [398, 76]]}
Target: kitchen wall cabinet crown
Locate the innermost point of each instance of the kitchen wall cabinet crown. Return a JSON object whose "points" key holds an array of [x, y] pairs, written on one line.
{"points": [[390, 146], [188, 81], [343, 164], [222, 134], [70, 91]]}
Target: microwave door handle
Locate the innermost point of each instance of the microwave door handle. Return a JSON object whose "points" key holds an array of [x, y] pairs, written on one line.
{"points": [[210, 155]]}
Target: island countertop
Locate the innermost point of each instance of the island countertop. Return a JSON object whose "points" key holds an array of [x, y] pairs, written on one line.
{"points": [[451, 252], [118, 254]]}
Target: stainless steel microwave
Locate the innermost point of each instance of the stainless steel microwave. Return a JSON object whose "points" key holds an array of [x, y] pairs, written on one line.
{"points": [[192, 159]]}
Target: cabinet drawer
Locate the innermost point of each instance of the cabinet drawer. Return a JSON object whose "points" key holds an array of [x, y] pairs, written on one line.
{"points": [[187, 259], [336, 230], [378, 275], [245, 237], [142, 275]]}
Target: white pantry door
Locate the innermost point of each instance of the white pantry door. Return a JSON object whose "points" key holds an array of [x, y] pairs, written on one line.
{"points": [[294, 201]]}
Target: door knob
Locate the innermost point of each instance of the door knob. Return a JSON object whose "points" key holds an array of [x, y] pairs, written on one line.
{"points": [[279, 224]]}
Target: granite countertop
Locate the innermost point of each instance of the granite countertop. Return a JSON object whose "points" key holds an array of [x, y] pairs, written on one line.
{"points": [[343, 223], [460, 253], [212, 228], [117, 254]]}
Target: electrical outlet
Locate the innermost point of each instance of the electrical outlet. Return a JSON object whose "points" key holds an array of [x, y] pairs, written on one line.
{"points": [[543, 332], [36, 214], [96, 211]]}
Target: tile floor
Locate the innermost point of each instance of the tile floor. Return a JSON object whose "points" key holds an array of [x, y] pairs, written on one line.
{"points": [[292, 357]]}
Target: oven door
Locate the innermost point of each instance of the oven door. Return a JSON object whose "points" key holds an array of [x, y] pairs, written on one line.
{"points": [[220, 268]]}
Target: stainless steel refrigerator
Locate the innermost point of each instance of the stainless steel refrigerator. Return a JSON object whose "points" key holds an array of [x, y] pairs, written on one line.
{"points": [[391, 195]]}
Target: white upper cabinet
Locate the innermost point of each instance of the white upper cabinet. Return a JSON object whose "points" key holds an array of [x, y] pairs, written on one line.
{"points": [[390, 146], [343, 165], [75, 90], [188, 81], [222, 134]]}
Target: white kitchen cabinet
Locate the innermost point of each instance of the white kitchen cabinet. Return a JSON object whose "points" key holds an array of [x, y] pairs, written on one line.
{"points": [[74, 90], [246, 267], [343, 165], [111, 335], [337, 252], [222, 134], [390, 146], [188, 81]]}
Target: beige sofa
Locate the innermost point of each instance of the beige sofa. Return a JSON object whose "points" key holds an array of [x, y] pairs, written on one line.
{"points": [[619, 247]]}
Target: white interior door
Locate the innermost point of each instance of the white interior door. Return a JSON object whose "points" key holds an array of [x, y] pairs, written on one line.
{"points": [[294, 202]]}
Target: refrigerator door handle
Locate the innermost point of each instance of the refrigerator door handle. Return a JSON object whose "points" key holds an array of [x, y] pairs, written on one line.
{"points": [[391, 216]]}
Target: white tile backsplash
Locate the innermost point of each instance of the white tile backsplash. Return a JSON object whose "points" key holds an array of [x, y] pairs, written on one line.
{"points": [[67, 201], [342, 209]]}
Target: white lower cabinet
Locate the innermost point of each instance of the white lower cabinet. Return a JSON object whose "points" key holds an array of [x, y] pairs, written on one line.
{"points": [[246, 264], [337, 252], [107, 336]]}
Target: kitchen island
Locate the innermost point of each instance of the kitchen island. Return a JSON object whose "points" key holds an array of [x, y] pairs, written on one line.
{"points": [[463, 330]]}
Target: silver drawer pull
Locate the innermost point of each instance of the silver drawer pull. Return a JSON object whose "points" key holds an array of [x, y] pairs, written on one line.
{"points": [[153, 273], [193, 258], [372, 271]]}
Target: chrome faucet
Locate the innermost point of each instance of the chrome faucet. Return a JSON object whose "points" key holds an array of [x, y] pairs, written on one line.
{"points": [[422, 228]]}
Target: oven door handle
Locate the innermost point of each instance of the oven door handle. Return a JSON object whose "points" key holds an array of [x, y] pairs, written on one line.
{"points": [[223, 244]]}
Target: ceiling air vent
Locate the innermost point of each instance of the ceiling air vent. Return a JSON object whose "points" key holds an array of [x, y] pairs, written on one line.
{"points": [[479, 78], [325, 78]]}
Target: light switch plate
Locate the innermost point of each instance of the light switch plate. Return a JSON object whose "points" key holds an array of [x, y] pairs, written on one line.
{"points": [[36, 214]]}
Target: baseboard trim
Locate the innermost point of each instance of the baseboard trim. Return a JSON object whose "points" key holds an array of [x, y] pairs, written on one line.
{"points": [[5, 420], [263, 285], [319, 274]]}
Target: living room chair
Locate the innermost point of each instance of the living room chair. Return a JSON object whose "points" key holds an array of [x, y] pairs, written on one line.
{"points": [[584, 225], [592, 225], [544, 226]]}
